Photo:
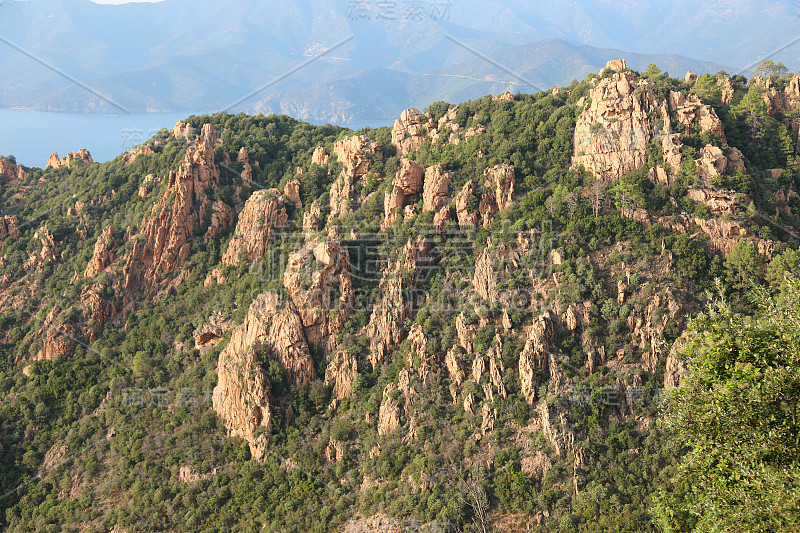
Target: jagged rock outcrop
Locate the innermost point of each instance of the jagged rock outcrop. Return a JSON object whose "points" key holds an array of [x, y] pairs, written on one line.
{"points": [[82, 157], [690, 110], [726, 90], [163, 243], [407, 132], [407, 182], [465, 333], [501, 179], [311, 222], [616, 65], [354, 153], [103, 255], [10, 171], [215, 276], [59, 339], [722, 234], [466, 217], [711, 163], [735, 160], [47, 253], [418, 354], [612, 132], [222, 217], [533, 362], [389, 412], [9, 227], [340, 374], [261, 218], [292, 191], [556, 435], [341, 196], [242, 395], [318, 279], [506, 96], [136, 151], [718, 201], [320, 156], [182, 129], [779, 101], [484, 280], [210, 333], [97, 309], [385, 328], [436, 190], [488, 416]]}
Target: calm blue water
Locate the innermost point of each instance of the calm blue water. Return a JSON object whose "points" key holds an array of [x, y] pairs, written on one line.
{"points": [[32, 136]]}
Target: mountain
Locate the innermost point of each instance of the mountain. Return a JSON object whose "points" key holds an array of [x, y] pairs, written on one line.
{"points": [[372, 97], [164, 57], [472, 320]]}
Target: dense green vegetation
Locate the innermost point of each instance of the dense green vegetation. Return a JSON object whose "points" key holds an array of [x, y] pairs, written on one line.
{"points": [[132, 407]]}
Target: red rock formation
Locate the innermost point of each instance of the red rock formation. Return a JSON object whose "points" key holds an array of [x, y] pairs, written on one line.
{"points": [[692, 111], [164, 242], [311, 223], [502, 180], [407, 182], [181, 129], [262, 216], [389, 412], [354, 153], [10, 171], [96, 309], [318, 279], [465, 217], [242, 395], [210, 333], [9, 228], [82, 156], [103, 255], [711, 163], [292, 192], [136, 151], [320, 156], [222, 216], [437, 188], [407, 133], [385, 328], [340, 374], [613, 131], [48, 252]]}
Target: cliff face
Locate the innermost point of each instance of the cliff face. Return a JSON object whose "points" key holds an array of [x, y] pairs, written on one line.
{"points": [[263, 215], [318, 280], [385, 328], [242, 397], [779, 101], [613, 131], [103, 255], [163, 242]]}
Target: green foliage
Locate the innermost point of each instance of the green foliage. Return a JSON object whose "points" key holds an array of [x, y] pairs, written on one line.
{"points": [[737, 409]]}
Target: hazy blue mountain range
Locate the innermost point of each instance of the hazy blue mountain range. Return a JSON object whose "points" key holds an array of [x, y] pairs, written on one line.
{"points": [[173, 56]]}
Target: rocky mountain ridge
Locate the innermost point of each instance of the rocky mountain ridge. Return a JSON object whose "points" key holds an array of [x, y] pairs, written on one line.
{"points": [[491, 291]]}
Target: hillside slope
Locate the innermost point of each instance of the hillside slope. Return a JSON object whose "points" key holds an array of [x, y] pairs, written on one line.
{"points": [[467, 320]]}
